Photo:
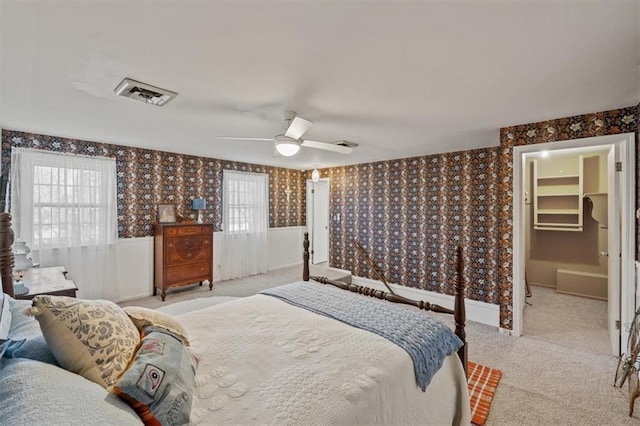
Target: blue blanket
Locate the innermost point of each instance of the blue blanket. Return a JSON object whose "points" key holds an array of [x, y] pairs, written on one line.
{"points": [[427, 340]]}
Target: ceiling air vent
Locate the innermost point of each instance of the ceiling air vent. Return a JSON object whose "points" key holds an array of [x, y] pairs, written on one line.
{"points": [[143, 92], [347, 144]]}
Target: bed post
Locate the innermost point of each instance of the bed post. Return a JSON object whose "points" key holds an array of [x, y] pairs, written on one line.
{"points": [[305, 257], [460, 315], [6, 254]]}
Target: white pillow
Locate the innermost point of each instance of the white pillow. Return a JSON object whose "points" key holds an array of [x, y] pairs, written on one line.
{"points": [[5, 317]]}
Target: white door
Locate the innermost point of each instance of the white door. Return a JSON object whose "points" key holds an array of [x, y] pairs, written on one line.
{"points": [[318, 220], [613, 213]]}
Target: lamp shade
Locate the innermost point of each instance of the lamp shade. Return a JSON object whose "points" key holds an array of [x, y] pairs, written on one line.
{"points": [[315, 175], [198, 204]]}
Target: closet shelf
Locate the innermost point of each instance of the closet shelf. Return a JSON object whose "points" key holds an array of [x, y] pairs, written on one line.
{"points": [[558, 190], [544, 228], [557, 227], [559, 177], [558, 211], [561, 194]]}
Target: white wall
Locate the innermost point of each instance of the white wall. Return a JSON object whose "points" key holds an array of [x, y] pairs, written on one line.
{"points": [[134, 277]]}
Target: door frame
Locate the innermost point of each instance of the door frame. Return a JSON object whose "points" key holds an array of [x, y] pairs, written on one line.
{"points": [[625, 146], [310, 215]]}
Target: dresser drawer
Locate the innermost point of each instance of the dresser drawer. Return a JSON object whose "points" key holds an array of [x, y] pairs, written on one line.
{"points": [[196, 272], [180, 231], [188, 250]]}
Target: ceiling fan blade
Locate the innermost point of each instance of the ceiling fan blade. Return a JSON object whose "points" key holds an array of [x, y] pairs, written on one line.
{"points": [[327, 146], [297, 128], [233, 138]]}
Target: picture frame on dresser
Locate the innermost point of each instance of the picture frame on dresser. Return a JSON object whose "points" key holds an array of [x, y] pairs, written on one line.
{"points": [[166, 213]]}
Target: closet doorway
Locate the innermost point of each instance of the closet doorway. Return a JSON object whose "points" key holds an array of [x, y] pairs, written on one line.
{"points": [[549, 201], [318, 220]]}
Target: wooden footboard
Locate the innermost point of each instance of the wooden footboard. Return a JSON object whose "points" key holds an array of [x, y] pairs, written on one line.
{"points": [[458, 312]]}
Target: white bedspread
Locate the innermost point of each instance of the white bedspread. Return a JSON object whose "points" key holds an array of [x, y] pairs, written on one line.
{"points": [[265, 361]]}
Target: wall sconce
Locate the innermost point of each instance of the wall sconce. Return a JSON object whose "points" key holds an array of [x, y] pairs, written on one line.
{"points": [[315, 175], [199, 204], [287, 192]]}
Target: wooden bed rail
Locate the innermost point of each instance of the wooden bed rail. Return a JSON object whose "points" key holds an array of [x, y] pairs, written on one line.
{"points": [[458, 312]]}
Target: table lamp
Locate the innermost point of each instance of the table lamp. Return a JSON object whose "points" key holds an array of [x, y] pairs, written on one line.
{"points": [[199, 204], [21, 263]]}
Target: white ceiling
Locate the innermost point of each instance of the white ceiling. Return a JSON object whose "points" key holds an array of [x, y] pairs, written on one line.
{"points": [[400, 79]]}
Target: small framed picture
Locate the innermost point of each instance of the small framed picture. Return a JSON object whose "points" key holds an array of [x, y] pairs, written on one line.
{"points": [[166, 213]]}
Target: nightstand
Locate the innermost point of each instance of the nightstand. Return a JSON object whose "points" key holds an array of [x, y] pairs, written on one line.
{"points": [[52, 280]]}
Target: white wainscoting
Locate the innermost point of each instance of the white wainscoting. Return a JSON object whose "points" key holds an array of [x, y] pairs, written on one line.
{"points": [[134, 277], [135, 268], [482, 312]]}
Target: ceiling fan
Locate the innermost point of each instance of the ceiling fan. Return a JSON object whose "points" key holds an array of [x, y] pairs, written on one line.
{"points": [[289, 142]]}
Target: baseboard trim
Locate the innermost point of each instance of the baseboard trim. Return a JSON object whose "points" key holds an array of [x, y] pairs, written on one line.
{"points": [[537, 284], [586, 296], [277, 268], [482, 312], [139, 296]]}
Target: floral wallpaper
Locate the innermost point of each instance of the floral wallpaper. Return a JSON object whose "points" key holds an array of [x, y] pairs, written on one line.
{"points": [[147, 178], [411, 214]]}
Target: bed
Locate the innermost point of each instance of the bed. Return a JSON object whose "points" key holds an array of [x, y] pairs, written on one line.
{"points": [[262, 359]]}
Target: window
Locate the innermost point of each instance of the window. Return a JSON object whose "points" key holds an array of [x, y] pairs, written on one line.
{"points": [[245, 198], [62, 200]]}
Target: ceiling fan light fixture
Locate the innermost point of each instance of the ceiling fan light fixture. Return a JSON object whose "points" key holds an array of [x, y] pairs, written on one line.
{"points": [[287, 147]]}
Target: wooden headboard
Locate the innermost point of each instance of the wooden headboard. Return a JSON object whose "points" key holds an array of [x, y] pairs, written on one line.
{"points": [[458, 312], [6, 253]]}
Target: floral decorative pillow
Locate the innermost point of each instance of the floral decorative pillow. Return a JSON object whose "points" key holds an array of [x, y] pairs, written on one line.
{"points": [[93, 338], [160, 381]]}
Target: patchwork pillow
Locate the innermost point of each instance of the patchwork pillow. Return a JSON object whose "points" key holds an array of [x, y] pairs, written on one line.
{"points": [[160, 381], [92, 338], [143, 317]]}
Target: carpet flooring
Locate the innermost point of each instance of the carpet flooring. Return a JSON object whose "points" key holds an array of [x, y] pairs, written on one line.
{"points": [[559, 373]]}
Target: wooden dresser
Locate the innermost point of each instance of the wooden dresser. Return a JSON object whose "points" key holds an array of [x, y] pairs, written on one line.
{"points": [[183, 254]]}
